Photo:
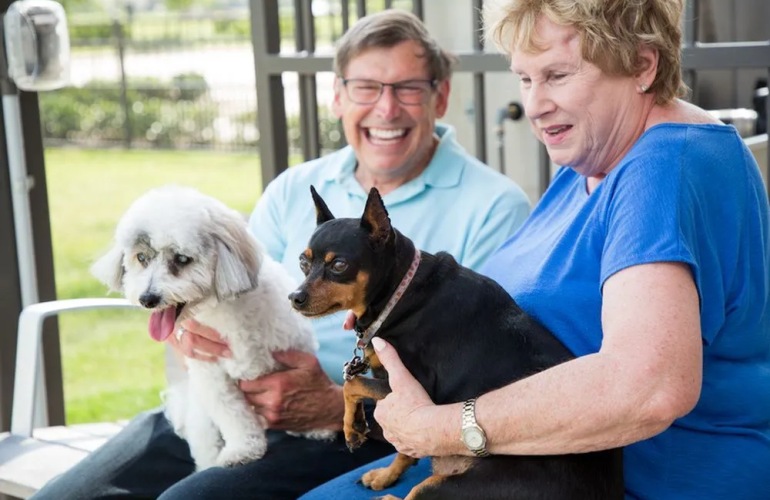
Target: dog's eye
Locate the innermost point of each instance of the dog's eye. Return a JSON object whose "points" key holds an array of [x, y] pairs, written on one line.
{"points": [[339, 266], [142, 258], [304, 264], [182, 260]]}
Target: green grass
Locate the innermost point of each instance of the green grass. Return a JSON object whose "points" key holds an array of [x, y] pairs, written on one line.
{"points": [[112, 370]]}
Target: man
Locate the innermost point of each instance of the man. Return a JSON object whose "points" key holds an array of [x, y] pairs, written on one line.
{"points": [[392, 85]]}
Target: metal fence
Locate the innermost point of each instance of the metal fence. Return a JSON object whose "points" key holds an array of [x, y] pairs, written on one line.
{"points": [[187, 79], [157, 80]]}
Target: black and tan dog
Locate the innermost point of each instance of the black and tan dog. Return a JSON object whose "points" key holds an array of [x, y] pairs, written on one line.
{"points": [[459, 334]]}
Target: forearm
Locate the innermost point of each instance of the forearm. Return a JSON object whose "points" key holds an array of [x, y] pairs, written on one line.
{"points": [[571, 408]]}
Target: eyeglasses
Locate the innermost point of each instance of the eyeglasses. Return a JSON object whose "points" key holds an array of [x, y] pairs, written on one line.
{"points": [[408, 92]]}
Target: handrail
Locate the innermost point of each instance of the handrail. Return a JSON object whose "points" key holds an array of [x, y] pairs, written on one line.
{"points": [[28, 351]]}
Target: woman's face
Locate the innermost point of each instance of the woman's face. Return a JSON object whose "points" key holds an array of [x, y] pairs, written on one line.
{"points": [[587, 119]]}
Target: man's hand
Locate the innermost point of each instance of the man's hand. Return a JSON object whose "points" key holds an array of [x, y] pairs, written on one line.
{"points": [[300, 397], [199, 342]]}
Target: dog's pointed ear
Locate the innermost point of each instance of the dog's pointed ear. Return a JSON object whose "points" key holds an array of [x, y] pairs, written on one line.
{"points": [[375, 218], [322, 212], [238, 257], [109, 269]]}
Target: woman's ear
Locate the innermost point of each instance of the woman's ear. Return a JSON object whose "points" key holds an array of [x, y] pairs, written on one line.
{"points": [[648, 65]]}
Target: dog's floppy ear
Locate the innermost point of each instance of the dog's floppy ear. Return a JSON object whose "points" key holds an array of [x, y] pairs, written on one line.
{"points": [[322, 212], [238, 258], [109, 269], [375, 218]]}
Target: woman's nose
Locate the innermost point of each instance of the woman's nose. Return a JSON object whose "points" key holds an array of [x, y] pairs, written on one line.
{"points": [[537, 102]]}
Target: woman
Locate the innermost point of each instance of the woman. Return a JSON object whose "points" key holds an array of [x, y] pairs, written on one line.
{"points": [[648, 256]]}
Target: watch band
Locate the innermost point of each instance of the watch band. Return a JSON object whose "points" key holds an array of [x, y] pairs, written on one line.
{"points": [[469, 422]]}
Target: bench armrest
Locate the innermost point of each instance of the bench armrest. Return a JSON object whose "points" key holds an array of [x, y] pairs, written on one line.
{"points": [[28, 353]]}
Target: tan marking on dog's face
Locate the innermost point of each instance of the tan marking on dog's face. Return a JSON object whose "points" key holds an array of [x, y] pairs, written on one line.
{"points": [[327, 297], [305, 260]]}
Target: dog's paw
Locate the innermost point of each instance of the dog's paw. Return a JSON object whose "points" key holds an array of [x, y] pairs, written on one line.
{"points": [[354, 440], [355, 435], [243, 453], [379, 479]]}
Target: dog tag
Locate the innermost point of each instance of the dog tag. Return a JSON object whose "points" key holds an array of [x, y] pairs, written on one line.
{"points": [[354, 367]]}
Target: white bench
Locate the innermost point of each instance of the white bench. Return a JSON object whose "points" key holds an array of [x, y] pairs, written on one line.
{"points": [[29, 456]]}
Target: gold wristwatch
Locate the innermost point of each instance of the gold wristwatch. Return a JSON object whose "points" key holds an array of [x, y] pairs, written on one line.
{"points": [[472, 435]]}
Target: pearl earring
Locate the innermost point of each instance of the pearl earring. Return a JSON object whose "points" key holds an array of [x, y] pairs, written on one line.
{"points": [[643, 88]]}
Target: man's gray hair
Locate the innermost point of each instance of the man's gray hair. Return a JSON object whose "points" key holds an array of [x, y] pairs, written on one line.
{"points": [[387, 29]]}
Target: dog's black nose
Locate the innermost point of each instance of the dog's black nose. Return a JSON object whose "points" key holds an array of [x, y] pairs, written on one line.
{"points": [[149, 300], [298, 298]]}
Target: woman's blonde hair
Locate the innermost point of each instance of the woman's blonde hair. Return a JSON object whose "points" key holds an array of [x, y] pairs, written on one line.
{"points": [[611, 32]]}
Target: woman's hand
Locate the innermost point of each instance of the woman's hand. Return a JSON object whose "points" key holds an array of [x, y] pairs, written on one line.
{"points": [[408, 417]]}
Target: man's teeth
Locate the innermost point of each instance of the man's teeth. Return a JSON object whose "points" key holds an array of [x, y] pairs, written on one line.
{"points": [[556, 130], [380, 133]]}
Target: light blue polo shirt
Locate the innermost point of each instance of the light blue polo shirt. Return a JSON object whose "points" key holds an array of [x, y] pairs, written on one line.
{"points": [[457, 204]]}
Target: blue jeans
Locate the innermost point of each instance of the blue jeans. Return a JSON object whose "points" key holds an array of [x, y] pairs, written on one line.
{"points": [[148, 460], [348, 487]]}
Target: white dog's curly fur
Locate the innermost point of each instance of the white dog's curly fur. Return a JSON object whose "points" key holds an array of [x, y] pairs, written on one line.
{"points": [[184, 254]]}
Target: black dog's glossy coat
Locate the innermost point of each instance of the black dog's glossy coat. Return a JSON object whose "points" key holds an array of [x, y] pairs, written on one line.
{"points": [[460, 335]]}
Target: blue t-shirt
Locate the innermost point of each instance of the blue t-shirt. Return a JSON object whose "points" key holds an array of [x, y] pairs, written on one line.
{"points": [[457, 204], [684, 193]]}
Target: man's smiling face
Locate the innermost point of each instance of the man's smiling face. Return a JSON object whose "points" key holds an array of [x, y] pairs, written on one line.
{"points": [[390, 139]]}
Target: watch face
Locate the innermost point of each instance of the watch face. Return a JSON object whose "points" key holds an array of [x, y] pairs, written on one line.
{"points": [[473, 438]]}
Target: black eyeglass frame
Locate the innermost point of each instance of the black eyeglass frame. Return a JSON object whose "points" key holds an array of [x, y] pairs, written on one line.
{"points": [[433, 83]]}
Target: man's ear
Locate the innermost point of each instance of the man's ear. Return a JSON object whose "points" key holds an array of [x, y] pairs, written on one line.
{"points": [[375, 219], [322, 212], [337, 101], [442, 98]]}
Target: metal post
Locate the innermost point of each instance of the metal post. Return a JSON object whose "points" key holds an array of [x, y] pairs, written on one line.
{"points": [[304, 35], [120, 40], [479, 94], [271, 112], [23, 147], [418, 9], [689, 38], [21, 184]]}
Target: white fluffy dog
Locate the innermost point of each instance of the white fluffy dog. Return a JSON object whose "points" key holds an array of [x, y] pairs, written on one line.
{"points": [[183, 254]]}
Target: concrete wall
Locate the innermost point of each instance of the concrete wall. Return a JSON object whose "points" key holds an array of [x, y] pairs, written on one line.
{"points": [[450, 21]]}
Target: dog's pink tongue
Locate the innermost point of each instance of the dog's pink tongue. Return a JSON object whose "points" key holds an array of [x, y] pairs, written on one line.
{"points": [[162, 323]]}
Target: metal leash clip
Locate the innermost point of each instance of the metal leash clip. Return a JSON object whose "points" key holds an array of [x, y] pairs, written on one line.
{"points": [[356, 366]]}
